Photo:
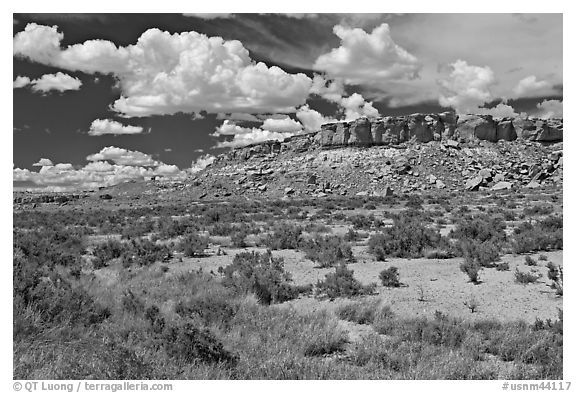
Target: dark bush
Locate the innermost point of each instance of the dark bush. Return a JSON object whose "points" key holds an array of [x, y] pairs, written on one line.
{"points": [[189, 343], [262, 275], [525, 277], [544, 235], [405, 239], [193, 244], [390, 277], [327, 251], [529, 261], [471, 268], [283, 237], [342, 283]]}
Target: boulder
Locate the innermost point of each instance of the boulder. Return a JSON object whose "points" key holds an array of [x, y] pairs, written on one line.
{"points": [[503, 185], [474, 183]]}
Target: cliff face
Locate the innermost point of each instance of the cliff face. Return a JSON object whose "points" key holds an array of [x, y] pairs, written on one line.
{"points": [[395, 130], [435, 127]]}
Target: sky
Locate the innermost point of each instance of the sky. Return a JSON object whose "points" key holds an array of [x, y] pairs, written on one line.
{"points": [[100, 99]]}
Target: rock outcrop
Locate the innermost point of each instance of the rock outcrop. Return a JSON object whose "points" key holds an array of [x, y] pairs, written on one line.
{"points": [[422, 128]]}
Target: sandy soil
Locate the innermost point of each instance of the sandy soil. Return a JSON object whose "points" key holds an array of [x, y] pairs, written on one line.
{"points": [[445, 288]]}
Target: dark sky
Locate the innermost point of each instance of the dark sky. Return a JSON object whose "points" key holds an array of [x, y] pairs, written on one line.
{"points": [[55, 124]]}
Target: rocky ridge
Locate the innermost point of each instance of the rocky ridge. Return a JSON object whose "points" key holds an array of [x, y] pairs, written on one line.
{"points": [[395, 155]]}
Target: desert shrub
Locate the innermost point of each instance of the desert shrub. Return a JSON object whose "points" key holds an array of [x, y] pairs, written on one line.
{"points": [[503, 267], [543, 235], [190, 344], [137, 228], [361, 221], [525, 277], [283, 237], [317, 227], [405, 239], [214, 305], [327, 251], [390, 277], [539, 210], [542, 257], [238, 239], [529, 261], [351, 235], [480, 228], [341, 283], [144, 252], [262, 275], [472, 269], [485, 254], [193, 244], [414, 202], [132, 303], [104, 252]]}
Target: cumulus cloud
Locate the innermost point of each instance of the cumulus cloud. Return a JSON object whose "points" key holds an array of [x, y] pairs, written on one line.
{"points": [[21, 81], [285, 124], [356, 106], [467, 87], [550, 109], [167, 73], [255, 135], [311, 119], [107, 126], [59, 81], [122, 156], [201, 163], [97, 173], [352, 107], [43, 162], [530, 86], [500, 110], [364, 58]]}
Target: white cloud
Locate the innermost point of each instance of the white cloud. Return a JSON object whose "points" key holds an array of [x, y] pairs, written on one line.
{"points": [[500, 110], [59, 81], [549, 109], [282, 125], [255, 135], [201, 163], [21, 81], [356, 106], [531, 87], [167, 73], [467, 87], [98, 173], [43, 162], [123, 157], [364, 58], [311, 119], [107, 126]]}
